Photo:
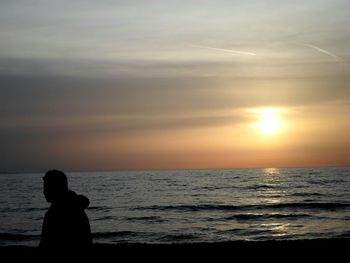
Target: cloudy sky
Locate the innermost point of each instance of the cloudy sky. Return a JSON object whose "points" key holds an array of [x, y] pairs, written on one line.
{"points": [[158, 84]]}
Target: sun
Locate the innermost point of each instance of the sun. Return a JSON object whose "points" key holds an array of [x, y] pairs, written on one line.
{"points": [[269, 122]]}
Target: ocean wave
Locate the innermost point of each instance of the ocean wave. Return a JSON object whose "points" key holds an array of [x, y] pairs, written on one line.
{"points": [[105, 218], [265, 216], [114, 234], [313, 205], [178, 237], [99, 208], [22, 209], [264, 186], [34, 209], [215, 187], [206, 207], [326, 181], [189, 208], [247, 232], [155, 219], [306, 194], [345, 234]]}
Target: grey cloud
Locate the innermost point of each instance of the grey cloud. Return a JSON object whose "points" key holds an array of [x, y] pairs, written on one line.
{"points": [[299, 63], [55, 97], [43, 29], [60, 129]]}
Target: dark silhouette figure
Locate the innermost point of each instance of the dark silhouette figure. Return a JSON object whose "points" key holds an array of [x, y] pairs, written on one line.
{"points": [[65, 223]]}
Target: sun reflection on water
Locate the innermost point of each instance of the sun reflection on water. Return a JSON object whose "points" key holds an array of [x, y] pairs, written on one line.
{"points": [[273, 189], [271, 171]]}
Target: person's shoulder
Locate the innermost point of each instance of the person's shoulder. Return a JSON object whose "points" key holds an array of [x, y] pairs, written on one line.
{"points": [[78, 201]]}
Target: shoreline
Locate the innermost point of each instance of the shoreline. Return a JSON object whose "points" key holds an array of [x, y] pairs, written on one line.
{"points": [[292, 248]]}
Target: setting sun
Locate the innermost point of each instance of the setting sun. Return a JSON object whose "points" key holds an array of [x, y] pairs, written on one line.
{"points": [[269, 121]]}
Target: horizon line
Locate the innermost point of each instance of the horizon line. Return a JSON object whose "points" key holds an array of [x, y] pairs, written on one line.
{"points": [[180, 169]]}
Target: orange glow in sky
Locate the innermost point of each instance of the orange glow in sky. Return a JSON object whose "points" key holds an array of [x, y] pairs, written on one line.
{"points": [[174, 84]]}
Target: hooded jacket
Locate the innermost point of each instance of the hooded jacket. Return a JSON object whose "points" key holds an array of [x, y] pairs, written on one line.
{"points": [[66, 224]]}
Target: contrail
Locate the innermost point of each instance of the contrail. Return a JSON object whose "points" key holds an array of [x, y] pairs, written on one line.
{"points": [[324, 52], [227, 50]]}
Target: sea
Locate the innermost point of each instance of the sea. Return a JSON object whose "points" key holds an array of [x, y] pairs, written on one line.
{"points": [[187, 206]]}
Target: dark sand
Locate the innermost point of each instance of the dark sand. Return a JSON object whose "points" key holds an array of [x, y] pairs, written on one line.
{"points": [[336, 250]]}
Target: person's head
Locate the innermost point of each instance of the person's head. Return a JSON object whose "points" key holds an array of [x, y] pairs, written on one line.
{"points": [[55, 185]]}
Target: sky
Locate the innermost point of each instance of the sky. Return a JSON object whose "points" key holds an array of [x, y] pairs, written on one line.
{"points": [[143, 85]]}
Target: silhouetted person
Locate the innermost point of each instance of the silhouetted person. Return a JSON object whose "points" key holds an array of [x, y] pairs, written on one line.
{"points": [[65, 223]]}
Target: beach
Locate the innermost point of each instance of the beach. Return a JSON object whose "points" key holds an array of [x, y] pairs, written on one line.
{"points": [[333, 249]]}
